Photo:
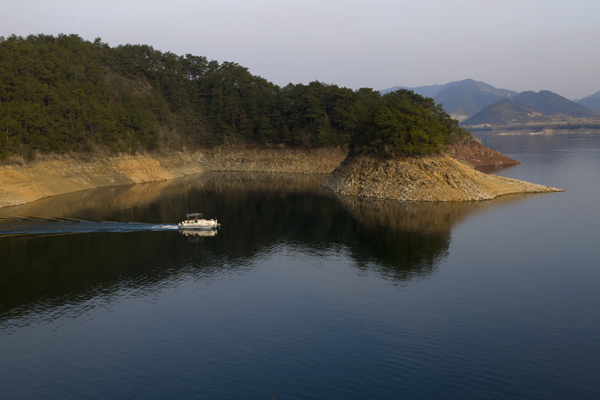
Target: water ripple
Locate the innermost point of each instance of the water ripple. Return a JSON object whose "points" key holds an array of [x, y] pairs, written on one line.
{"points": [[18, 226]]}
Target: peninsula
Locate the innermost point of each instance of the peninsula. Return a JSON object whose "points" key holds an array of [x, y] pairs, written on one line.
{"points": [[401, 158], [79, 115]]}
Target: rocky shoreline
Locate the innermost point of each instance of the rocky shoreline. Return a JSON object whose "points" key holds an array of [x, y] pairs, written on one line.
{"points": [[425, 179], [26, 182]]}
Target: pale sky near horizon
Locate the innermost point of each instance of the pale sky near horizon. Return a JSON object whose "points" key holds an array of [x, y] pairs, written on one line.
{"points": [[511, 44]]}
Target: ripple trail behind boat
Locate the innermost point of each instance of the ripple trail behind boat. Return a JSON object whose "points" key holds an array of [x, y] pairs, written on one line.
{"points": [[19, 226]]}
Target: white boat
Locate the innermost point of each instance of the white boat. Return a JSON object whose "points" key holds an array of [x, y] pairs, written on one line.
{"points": [[195, 221]]}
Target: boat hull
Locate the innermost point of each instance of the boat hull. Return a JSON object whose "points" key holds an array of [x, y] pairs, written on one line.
{"points": [[202, 224]]}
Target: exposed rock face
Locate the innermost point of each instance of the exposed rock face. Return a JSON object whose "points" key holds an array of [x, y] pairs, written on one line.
{"points": [[477, 155], [25, 183], [432, 178], [21, 184], [418, 216]]}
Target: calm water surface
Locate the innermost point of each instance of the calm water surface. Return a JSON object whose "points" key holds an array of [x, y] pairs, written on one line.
{"points": [[306, 295]]}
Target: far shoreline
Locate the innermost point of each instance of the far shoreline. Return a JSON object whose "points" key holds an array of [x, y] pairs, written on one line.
{"points": [[534, 129]]}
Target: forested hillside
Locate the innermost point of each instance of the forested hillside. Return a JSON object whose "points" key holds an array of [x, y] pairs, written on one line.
{"points": [[62, 94]]}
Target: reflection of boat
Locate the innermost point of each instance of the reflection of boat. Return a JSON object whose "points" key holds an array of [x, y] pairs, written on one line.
{"points": [[195, 221], [198, 232]]}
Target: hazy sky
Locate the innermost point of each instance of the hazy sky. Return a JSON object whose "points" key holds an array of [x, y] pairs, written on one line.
{"points": [[512, 44]]}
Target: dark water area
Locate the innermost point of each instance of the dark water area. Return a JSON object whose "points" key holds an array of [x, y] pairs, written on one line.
{"points": [[304, 294]]}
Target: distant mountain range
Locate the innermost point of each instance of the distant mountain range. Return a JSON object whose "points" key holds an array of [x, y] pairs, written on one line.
{"points": [[461, 99], [591, 102], [504, 112], [549, 103], [477, 103], [529, 107]]}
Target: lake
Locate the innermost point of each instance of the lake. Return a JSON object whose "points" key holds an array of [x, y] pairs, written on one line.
{"points": [[306, 295]]}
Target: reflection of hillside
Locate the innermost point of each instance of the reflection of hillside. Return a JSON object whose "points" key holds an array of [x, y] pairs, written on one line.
{"points": [[100, 202], [400, 241], [419, 217], [407, 240], [42, 275]]}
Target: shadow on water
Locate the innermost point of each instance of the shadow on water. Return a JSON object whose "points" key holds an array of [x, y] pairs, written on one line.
{"points": [[61, 273]]}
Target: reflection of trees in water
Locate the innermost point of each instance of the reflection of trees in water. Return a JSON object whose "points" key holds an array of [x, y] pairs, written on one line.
{"points": [[400, 256], [41, 274], [407, 240], [401, 241]]}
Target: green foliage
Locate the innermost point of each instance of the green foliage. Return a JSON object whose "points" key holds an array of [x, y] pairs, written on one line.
{"points": [[60, 94], [403, 123]]}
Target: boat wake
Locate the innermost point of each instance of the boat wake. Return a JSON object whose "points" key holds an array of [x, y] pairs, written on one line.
{"points": [[19, 226]]}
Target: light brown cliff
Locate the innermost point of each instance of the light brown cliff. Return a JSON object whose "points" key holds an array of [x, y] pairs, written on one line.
{"points": [[27, 182]]}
